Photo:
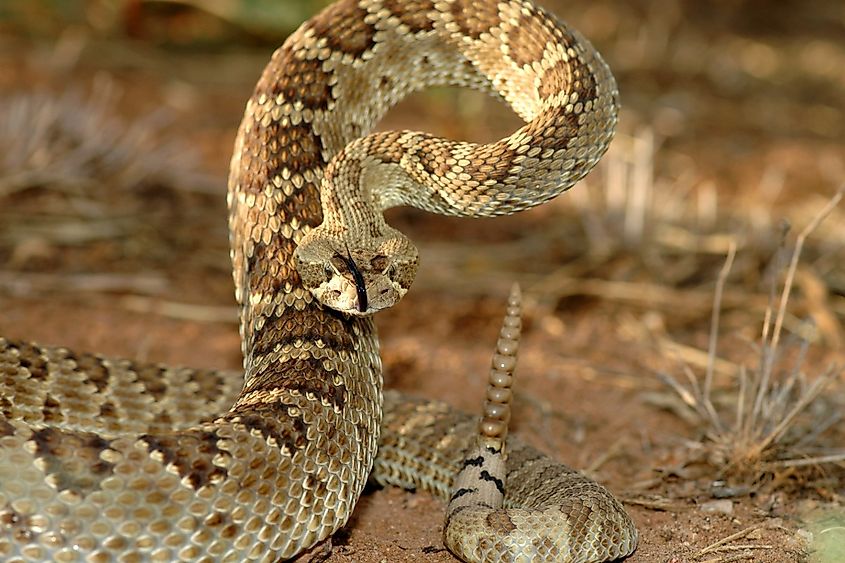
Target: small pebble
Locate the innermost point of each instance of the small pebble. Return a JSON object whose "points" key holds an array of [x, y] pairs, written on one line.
{"points": [[754, 534], [721, 506], [806, 536]]}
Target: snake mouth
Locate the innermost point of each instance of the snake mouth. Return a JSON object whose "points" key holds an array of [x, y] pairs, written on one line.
{"points": [[358, 278]]}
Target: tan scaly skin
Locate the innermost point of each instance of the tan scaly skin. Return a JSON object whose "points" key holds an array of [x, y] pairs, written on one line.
{"points": [[107, 459]]}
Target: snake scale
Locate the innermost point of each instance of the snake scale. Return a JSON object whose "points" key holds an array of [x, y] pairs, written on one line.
{"points": [[105, 459]]}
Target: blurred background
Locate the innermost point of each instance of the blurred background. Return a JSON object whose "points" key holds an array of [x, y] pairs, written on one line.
{"points": [[117, 119]]}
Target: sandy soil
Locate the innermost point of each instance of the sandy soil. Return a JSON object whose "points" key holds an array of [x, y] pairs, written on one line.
{"points": [[732, 102]]}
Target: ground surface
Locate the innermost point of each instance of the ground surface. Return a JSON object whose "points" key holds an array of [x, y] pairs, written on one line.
{"points": [[737, 104]]}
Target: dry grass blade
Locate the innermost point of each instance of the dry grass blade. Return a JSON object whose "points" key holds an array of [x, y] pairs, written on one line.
{"points": [[28, 284], [611, 452], [811, 461], [660, 504], [714, 333], [727, 539], [732, 558], [793, 266], [182, 311]]}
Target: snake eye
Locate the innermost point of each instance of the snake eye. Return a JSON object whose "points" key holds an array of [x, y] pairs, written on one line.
{"points": [[328, 270], [391, 271]]}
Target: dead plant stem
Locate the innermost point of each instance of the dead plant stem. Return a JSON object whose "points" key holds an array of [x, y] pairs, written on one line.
{"points": [[714, 333]]}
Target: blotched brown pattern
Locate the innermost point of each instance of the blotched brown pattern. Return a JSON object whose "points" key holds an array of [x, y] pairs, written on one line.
{"points": [[475, 18], [344, 28], [299, 81], [528, 39], [413, 13]]}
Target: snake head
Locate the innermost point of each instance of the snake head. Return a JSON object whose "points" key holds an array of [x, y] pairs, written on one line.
{"points": [[357, 277]]}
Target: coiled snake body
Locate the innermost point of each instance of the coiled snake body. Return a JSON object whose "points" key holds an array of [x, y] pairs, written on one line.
{"points": [[107, 459]]}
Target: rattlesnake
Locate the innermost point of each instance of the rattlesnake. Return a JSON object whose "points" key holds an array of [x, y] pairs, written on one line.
{"points": [[107, 459]]}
